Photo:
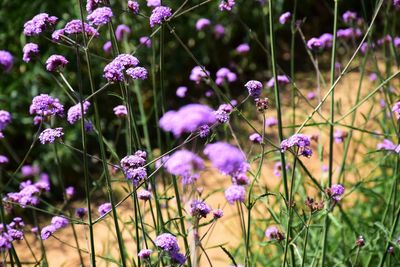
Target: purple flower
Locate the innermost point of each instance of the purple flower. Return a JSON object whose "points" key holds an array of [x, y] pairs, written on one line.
{"points": [[222, 113], [187, 119], [311, 95], [107, 47], [56, 35], [75, 27], [326, 39], [198, 73], [75, 112], [47, 231], [218, 213], [100, 16], [396, 110], [134, 7], [272, 233], [159, 15], [339, 136], [255, 138], [284, 18], [282, 80], [254, 87], [5, 242], [81, 212], [167, 242], [50, 135], [145, 40], [226, 5], [121, 31], [104, 208], [396, 3], [202, 23], [120, 111], [225, 75], [348, 33], [243, 49], [228, 159], [30, 50], [45, 105], [137, 73], [396, 42], [386, 145], [69, 192], [336, 192], [133, 167], [144, 253], [199, 208], [301, 141], [5, 119], [38, 24], [153, 3], [59, 222], [178, 257], [235, 193], [315, 44], [15, 234], [349, 17], [271, 121], [56, 62], [113, 71], [3, 160], [204, 131], [6, 60], [29, 170], [186, 164], [92, 5], [144, 195], [219, 31], [181, 91]]}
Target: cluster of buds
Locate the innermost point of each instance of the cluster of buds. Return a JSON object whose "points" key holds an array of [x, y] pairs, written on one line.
{"points": [[314, 205], [262, 104]]}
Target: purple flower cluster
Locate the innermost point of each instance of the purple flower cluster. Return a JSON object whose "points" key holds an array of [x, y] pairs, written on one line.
{"points": [[144, 195], [146, 41], [235, 193], [271, 121], [320, 43], [29, 193], [50, 135], [223, 112], [153, 3], [187, 119], [120, 111], [134, 7], [159, 15], [38, 24], [75, 112], [11, 232], [30, 50], [114, 71], [168, 243], [243, 49], [133, 167], [254, 87], [349, 17], [56, 63], [181, 91], [226, 5], [144, 253], [348, 33], [388, 145], [5, 119], [6, 60], [225, 75], [282, 80], [273, 233], [104, 208], [202, 23], [339, 136], [92, 5], [199, 209], [255, 138], [336, 192], [46, 106], [285, 17], [57, 222], [186, 164], [3, 160], [301, 141], [137, 73], [75, 27], [198, 73], [121, 31], [219, 31], [100, 16]]}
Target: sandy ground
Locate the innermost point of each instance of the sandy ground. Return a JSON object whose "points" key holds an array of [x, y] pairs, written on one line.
{"points": [[227, 230]]}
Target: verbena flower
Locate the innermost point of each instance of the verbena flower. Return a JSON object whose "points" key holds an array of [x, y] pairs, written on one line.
{"points": [[137, 73], [285, 17], [134, 7], [49, 136], [282, 80], [219, 31], [144, 195], [159, 15], [226, 5], [133, 167], [202, 23], [144, 253], [396, 110], [178, 257], [218, 213], [5, 119], [114, 71], [181, 91], [3, 160], [47, 231], [348, 33], [386, 145], [56, 63], [103, 209], [120, 111], [153, 3], [92, 5], [198, 74], [30, 50], [199, 209], [243, 48], [225, 75], [81, 212], [45, 105], [273, 233], [100, 16], [235, 193], [166, 242], [271, 121], [222, 113], [29, 170], [38, 24], [145, 40], [300, 141], [396, 3], [204, 131], [315, 44], [187, 119], [336, 192], [107, 47], [121, 31], [339, 136], [255, 138], [185, 164], [59, 222], [6, 60], [311, 95], [254, 87], [69, 192], [75, 27], [349, 17], [75, 112]]}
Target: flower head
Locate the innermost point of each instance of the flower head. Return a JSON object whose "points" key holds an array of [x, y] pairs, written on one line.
{"points": [[300, 141], [114, 71], [121, 31], [38, 24], [254, 87], [198, 73], [50, 135], [243, 48], [5, 119], [144, 195], [56, 63], [75, 112], [75, 27], [285, 17], [181, 91], [235, 193], [186, 164], [272, 233], [100, 16], [144, 253], [159, 15], [146, 41], [103, 209], [255, 138], [225, 75], [349, 17], [47, 231], [137, 73], [133, 167], [199, 209], [59, 222], [6, 60], [226, 5], [120, 111], [134, 7], [167, 242], [45, 105], [3, 160], [202, 23], [282, 80], [30, 50], [153, 3]]}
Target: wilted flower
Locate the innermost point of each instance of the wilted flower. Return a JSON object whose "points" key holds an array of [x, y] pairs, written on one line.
{"points": [[360, 242], [100, 16], [262, 104], [50, 135], [56, 63]]}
